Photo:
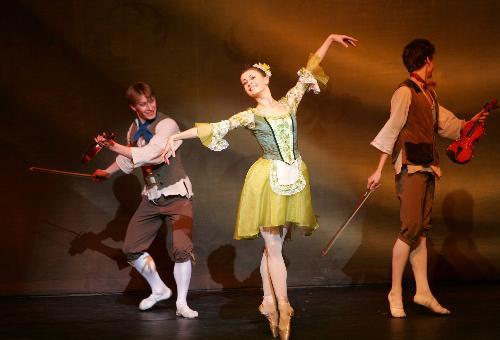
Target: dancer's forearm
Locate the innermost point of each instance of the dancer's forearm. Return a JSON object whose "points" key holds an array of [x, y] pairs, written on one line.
{"points": [[186, 134]]}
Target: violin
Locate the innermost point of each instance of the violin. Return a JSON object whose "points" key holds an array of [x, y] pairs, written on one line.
{"points": [[461, 151], [97, 146]]}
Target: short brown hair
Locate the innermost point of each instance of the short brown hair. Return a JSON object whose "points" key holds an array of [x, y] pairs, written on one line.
{"points": [[138, 89], [416, 53]]}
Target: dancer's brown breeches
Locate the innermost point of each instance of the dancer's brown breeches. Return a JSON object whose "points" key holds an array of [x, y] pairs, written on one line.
{"points": [[147, 220], [416, 195]]}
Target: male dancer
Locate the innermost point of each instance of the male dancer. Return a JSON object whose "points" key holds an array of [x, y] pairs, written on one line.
{"points": [[409, 136], [167, 193]]}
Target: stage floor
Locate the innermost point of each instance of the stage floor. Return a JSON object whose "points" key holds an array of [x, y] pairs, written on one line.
{"points": [[320, 313]]}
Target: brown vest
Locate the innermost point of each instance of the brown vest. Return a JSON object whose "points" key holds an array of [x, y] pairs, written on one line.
{"points": [[417, 138], [162, 175]]}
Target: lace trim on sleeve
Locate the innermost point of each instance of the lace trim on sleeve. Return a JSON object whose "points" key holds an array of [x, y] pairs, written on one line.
{"points": [[245, 118], [306, 77], [219, 130]]}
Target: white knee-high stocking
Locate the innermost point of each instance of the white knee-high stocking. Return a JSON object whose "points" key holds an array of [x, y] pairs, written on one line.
{"points": [[182, 275], [145, 265]]}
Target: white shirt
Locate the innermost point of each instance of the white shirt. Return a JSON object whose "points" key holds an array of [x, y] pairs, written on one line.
{"points": [[151, 154]]}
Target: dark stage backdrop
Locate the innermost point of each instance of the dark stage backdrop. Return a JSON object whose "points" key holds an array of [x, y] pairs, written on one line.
{"points": [[66, 64]]}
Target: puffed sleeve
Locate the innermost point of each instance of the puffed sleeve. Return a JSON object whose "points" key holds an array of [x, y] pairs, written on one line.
{"points": [[212, 134], [309, 77], [387, 136], [449, 125]]}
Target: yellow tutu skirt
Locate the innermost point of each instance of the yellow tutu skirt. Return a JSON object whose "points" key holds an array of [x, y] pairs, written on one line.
{"points": [[261, 207]]}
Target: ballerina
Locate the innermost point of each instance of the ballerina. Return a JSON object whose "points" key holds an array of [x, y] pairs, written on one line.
{"points": [[276, 194]]}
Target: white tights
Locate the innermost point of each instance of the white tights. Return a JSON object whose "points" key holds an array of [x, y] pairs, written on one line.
{"points": [[272, 266]]}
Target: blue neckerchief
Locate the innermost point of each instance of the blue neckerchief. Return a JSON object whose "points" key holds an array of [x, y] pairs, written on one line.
{"points": [[143, 131]]}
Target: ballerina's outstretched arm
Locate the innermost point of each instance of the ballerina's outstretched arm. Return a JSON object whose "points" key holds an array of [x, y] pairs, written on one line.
{"points": [[344, 40], [211, 135]]}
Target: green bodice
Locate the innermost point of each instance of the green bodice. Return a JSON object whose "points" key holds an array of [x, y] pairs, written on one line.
{"points": [[277, 137]]}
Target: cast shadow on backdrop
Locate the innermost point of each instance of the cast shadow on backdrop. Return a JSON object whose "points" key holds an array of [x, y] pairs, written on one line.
{"points": [[127, 191], [221, 266], [459, 259], [366, 266]]}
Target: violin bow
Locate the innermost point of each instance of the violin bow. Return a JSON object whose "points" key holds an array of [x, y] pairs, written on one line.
{"points": [[335, 236], [58, 172]]}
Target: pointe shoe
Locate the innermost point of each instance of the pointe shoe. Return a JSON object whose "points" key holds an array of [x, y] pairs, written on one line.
{"points": [[186, 312], [271, 313], [286, 313], [431, 303], [151, 300], [397, 311]]}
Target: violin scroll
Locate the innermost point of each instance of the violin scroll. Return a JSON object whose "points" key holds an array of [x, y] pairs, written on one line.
{"points": [[491, 106]]}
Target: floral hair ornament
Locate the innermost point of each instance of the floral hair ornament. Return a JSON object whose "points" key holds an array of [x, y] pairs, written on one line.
{"points": [[264, 68]]}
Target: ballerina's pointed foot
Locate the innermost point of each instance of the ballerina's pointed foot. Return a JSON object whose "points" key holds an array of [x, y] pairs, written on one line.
{"points": [[430, 302], [286, 313], [270, 311], [186, 312], [395, 306]]}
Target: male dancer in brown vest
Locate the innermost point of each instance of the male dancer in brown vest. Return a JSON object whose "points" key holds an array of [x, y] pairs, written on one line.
{"points": [[409, 136], [167, 194]]}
